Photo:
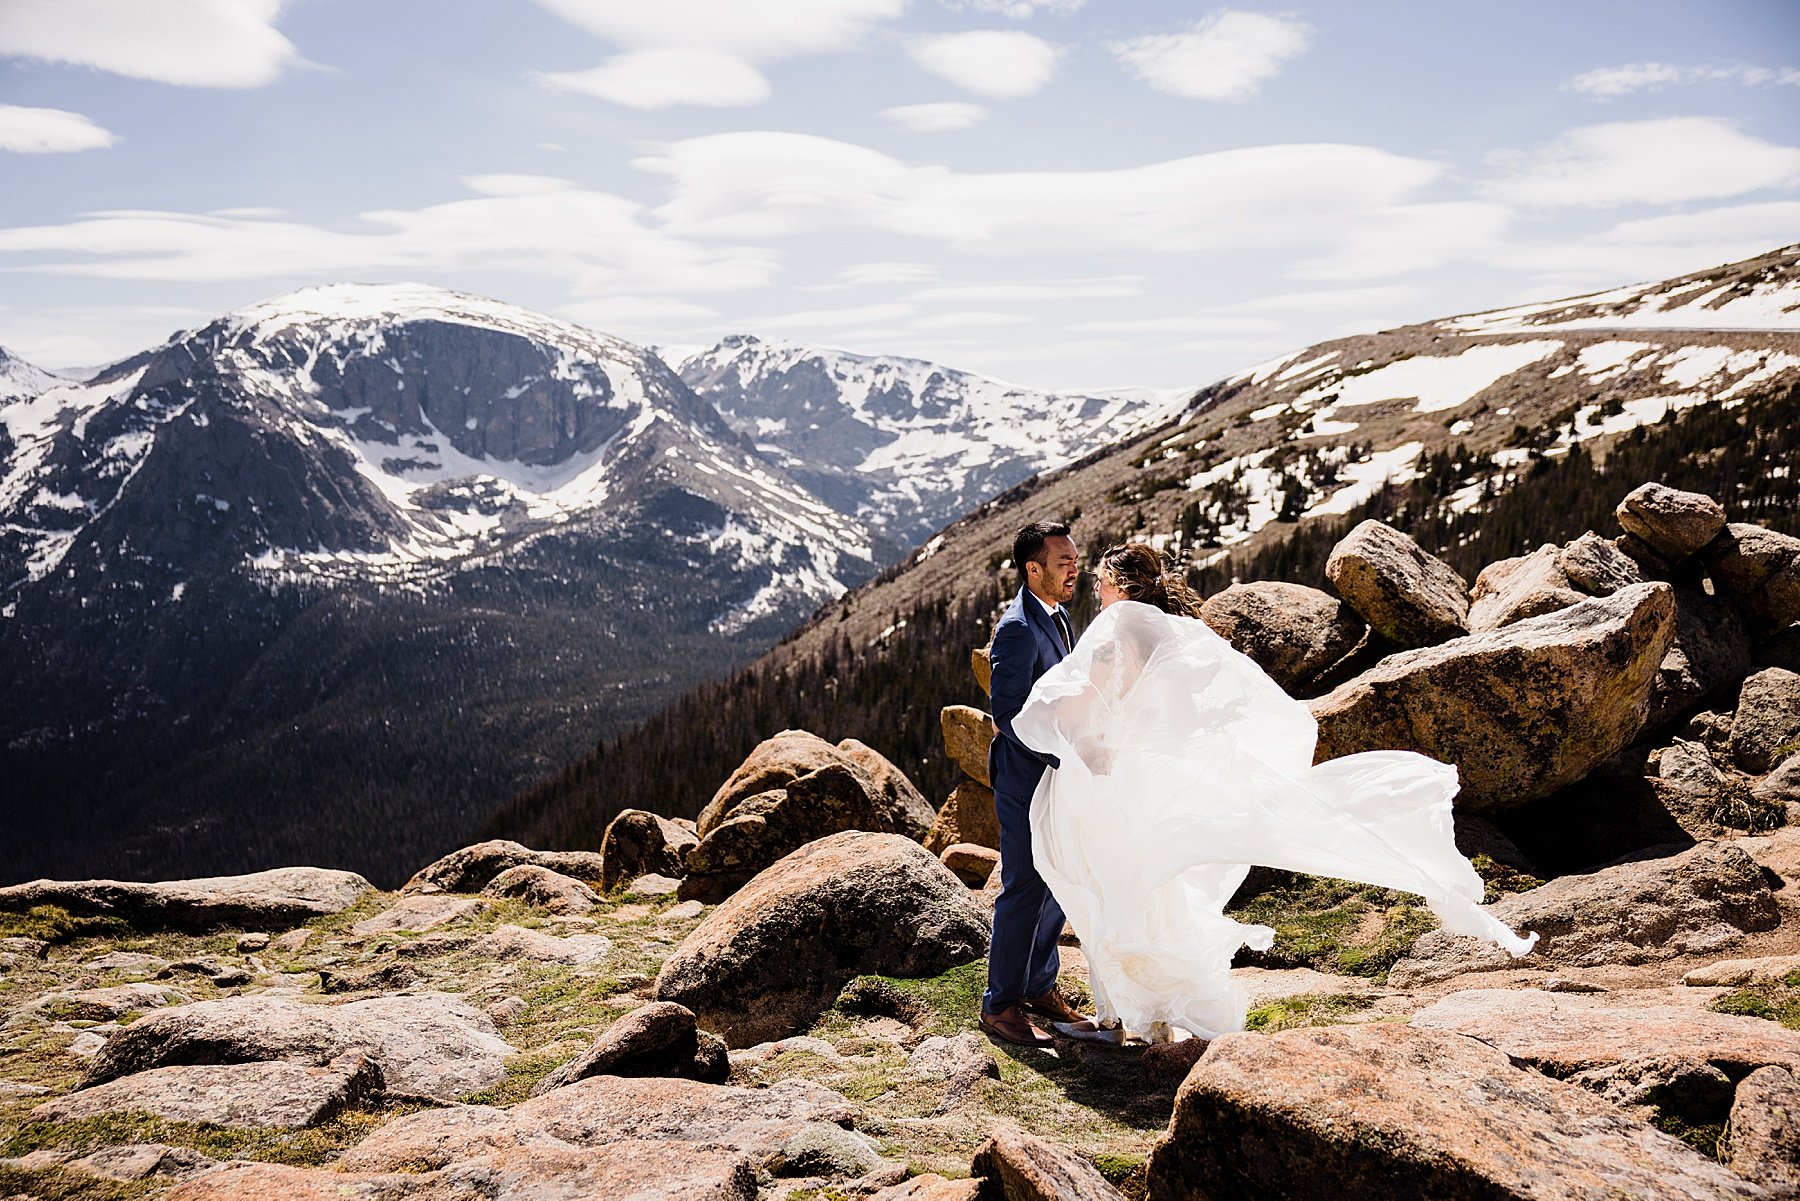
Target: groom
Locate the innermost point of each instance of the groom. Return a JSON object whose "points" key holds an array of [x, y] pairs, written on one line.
{"points": [[1033, 636]]}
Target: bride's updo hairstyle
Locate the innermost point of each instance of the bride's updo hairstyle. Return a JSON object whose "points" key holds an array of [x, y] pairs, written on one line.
{"points": [[1136, 569]]}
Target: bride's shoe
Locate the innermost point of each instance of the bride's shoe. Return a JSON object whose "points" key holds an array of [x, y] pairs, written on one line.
{"points": [[1088, 1031]]}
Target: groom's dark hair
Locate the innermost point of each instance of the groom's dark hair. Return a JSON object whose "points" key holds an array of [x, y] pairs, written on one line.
{"points": [[1028, 543]]}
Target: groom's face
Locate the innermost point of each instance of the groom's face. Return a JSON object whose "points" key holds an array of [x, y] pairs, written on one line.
{"points": [[1055, 577]]}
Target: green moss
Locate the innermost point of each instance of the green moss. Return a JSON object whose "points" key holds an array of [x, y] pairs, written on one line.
{"points": [[945, 1004], [1336, 926], [522, 1074], [1703, 1138], [1124, 1172], [1775, 1002], [302, 1147], [1502, 879], [1320, 1009], [62, 1184], [56, 925]]}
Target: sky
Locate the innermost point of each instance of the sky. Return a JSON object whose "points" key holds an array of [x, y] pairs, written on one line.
{"points": [[1062, 193]]}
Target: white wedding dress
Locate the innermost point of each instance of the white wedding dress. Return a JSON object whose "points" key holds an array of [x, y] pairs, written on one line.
{"points": [[1182, 764]]}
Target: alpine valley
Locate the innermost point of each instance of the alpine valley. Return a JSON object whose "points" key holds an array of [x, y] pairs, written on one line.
{"points": [[329, 578]]}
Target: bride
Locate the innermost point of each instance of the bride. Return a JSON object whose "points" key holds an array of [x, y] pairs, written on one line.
{"points": [[1182, 764]]}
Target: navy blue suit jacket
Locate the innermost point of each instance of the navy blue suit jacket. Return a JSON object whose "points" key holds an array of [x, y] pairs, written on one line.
{"points": [[1026, 645]]}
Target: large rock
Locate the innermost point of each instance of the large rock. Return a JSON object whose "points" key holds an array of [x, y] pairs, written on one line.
{"points": [[1520, 711], [1760, 570], [793, 789], [972, 864], [638, 1169], [603, 1110], [1376, 1112], [419, 912], [280, 897], [910, 812], [1575, 1035], [1409, 597], [1025, 1167], [1710, 654], [544, 888], [1699, 902], [428, 1044], [1293, 632], [968, 733], [474, 867], [1783, 784], [768, 961], [640, 843], [1594, 565], [1514, 589], [508, 943], [238, 1094], [106, 1004], [1766, 727], [968, 816], [1674, 523], [658, 1039], [1764, 1130]]}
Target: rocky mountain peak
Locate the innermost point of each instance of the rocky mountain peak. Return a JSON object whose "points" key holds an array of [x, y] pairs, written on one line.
{"points": [[903, 443]]}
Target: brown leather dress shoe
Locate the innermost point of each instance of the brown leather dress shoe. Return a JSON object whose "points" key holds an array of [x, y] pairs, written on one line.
{"points": [[1010, 1025], [1052, 1007]]}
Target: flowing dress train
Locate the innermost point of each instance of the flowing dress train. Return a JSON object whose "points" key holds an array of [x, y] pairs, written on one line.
{"points": [[1182, 764]]}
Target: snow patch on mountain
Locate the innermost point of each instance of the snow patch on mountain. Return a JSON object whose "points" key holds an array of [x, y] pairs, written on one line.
{"points": [[20, 380], [1691, 303], [908, 444]]}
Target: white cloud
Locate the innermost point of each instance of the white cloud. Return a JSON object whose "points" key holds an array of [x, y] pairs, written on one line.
{"points": [[1034, 290], [593, 243], [1018, 10], [1760, 225], [1652, 248], [1226, 55], [1003, 63], [760, 32], [704, 52], [198, 43], [887, 273], [969, 320], [662, 78], [1607, 82], [837, 318], [1323, 199], [933, 118], [49, 131], [1196, 324], [91, 335], [637, 318], [1664, 161]]}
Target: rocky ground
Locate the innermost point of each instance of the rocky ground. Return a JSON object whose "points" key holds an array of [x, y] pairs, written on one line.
{"points": [[141, 1062], [779, 1001]]}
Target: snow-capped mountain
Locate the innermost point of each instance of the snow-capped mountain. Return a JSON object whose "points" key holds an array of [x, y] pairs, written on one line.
{"points": [[1470, 402], [19, 380], [903, 444], [394, 505], [416, 430]]}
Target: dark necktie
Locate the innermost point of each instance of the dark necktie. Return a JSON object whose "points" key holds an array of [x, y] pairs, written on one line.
{"points": [[1062, 625]]}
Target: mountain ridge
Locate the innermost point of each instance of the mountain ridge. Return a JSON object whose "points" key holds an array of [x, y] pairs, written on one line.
{"points": [[1387, 425]]}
